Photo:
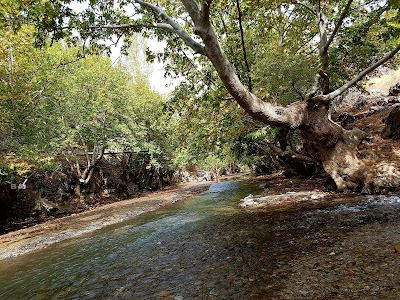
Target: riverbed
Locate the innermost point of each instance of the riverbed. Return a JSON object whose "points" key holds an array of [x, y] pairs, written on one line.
{"points": [[210, 248]]}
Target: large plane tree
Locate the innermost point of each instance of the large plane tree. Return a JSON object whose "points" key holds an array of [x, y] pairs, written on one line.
{"points": [[327, 28]]}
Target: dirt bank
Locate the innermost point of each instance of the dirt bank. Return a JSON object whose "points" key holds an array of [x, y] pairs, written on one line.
{"points": [[56, 230]]}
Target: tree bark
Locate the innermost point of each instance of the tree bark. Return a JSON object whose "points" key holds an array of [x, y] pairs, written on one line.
{"points": [[335, 146]]}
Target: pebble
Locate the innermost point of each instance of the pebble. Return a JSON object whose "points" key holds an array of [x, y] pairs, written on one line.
{"points": [[213, 293]]}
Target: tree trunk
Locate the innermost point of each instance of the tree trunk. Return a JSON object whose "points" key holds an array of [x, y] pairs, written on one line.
{"points": [[337, 149]]}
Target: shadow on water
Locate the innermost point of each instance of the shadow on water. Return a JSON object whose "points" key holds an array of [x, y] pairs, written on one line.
{"points": [[204, 248]]}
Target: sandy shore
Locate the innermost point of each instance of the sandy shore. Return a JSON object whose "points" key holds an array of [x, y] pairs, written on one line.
{"points": [[56, 230]]}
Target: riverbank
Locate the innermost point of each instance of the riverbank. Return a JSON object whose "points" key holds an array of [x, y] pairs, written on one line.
{"points": [[52, 231]]}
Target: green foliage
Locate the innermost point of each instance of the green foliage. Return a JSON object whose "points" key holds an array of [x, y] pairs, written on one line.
{"points": [[283, 77], [54, 102], [273, 46], [368, 34], [205, 127], [12, 168]]}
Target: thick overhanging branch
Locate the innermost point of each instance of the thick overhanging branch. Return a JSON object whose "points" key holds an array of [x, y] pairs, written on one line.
{"points": [[268, 113], [357, 78], [176, 28]]}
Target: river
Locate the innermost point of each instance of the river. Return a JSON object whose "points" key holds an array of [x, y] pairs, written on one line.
{"points": [[209, 248]]}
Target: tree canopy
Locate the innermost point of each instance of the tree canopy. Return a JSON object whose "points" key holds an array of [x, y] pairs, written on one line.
{"points": [[282, 61], [56, 103]]}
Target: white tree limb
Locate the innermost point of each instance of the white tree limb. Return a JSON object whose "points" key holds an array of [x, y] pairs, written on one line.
{"points": [[192, 8], [188, 40], [265, 112]]}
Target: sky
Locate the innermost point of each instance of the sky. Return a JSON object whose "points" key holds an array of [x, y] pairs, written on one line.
{"points": [[157, 80]]}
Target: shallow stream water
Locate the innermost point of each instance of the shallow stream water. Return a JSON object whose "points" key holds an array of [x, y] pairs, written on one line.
{"points": [[159, 252], [208, 248]]}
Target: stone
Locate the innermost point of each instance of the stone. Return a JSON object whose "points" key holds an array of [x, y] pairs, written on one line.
{"points": [[383, 101], [376, 92], [289, 197], [346, 120], [397, 248], [375, 108], [164, 294], [213, 293], [202, 175], [392, 124], [248, 201], [395, 90]]}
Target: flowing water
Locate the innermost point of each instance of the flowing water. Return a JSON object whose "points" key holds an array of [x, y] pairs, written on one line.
{"points": [[204, 248], [155, 253]]}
